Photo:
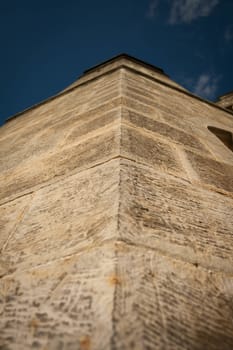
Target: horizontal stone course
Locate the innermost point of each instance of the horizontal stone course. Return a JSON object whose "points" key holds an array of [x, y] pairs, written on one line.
{"points": [[78, 156], [164, 130], [148, 150], [77, 98], [62, 218], [175, 217], [212, 172]]}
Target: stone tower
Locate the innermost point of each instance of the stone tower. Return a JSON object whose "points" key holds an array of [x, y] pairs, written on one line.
{"points": [[116, 217]]}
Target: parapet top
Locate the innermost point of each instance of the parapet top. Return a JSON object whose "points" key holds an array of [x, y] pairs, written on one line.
{"points": [[126, 57], [140, 67], [226, 101], [123, 61]]}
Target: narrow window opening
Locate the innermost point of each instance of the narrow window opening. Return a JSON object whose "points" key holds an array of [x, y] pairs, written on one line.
{"points": [[225, 136]]}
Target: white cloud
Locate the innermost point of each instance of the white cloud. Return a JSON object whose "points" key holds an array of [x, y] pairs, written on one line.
{"points": [[153, 5], [187, 11], [206, 86], [228, 36]]}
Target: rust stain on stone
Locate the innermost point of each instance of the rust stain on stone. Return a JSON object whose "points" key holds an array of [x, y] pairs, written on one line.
{"points": [[85, 343], [114, 279], [34, 323]]}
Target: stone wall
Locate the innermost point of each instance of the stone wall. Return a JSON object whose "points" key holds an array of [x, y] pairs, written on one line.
{"points": [[116, 218]]}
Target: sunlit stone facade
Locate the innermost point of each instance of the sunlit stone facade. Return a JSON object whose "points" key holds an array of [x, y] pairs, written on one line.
{"points": [[116, 217]]}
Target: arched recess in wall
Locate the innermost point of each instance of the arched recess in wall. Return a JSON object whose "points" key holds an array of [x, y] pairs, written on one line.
{"points": [[223, 135]]}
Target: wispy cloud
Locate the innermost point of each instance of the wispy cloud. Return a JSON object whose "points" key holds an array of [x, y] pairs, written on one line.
{"points": [[228, 36], [186, 11], [206, 86], [153, 5]]}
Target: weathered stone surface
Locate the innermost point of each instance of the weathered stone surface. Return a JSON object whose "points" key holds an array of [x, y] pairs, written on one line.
{"points": [[164, 303], [81, 153], [63, 218], [162, 212], [66, 106], [116, 218], [164, 130], [41, 142], [172, 106], [212, 172], [66, 304], [146, 149]]}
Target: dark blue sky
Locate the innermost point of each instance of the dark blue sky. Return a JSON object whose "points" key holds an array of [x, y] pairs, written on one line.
{"points": [[46, 45]]}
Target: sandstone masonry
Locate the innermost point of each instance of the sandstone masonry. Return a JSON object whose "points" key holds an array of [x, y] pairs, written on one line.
{"points": [[116, 217]]}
